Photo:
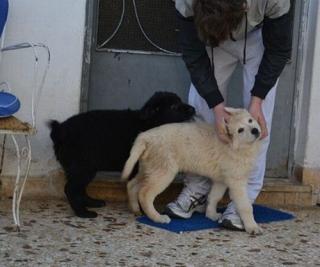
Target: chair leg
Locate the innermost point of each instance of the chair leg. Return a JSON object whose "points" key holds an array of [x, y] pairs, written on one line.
{"points": [[16, 186], [28, 162], [20, 184], [2, 153]]}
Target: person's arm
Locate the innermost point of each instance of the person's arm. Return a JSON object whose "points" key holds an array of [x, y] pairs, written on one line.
{"points": [[198, 63], [277, 40], [201, 72]]}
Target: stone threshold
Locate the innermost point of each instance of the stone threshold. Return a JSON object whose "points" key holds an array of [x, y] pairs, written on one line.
{"points": [[276, 192]]}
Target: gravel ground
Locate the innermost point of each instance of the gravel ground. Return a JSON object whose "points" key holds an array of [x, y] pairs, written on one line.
{"points": [[52, 236]]}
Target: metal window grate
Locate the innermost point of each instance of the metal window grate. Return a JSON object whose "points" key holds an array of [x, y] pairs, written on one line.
{"points": [[157, 19]]}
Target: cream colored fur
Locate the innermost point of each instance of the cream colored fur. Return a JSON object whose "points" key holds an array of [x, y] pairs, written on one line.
{"points": [[195, 148]]}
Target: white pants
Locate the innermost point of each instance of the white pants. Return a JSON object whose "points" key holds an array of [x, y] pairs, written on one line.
{"points": [[226, 57]]}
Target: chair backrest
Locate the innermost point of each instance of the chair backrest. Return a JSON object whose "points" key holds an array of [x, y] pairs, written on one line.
{"points": [[38, 79], [4, 6]]}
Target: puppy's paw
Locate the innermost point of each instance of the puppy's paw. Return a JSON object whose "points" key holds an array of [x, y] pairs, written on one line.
{"points": [[164, 219], [86, 214], [94, 203], [253, 229], [215, 216], [137, 213], [135, 208]]}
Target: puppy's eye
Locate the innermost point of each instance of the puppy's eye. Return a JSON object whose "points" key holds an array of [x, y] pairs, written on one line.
{"points": [[240, 130], [250, 121]]}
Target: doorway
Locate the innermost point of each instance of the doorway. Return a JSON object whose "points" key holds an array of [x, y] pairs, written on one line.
{"points": [[133, 51]]}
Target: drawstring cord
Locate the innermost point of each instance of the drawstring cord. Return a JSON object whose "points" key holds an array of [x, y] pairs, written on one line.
{"points": [[211, 58], [245, 41]]}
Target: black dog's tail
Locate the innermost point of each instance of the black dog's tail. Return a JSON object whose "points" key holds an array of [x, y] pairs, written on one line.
{"points": [[55, 134]]}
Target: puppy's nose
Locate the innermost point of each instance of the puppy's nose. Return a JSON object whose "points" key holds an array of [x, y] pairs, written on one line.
{"points": [[255, 132]]}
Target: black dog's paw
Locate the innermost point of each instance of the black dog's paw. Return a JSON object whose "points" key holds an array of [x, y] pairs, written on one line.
{"points": [[94, 203], [84, 213]]}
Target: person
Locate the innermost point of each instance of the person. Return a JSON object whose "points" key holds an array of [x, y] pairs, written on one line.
{"points": [[216, 36]]}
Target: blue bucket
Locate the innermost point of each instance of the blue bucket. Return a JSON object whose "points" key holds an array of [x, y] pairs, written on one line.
{"points": [[9, 104]]}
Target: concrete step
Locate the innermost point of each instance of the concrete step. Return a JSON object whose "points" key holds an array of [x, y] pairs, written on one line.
{"points": [[275, 192]]}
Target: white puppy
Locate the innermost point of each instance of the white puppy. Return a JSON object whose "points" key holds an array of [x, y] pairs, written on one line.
{"points": [[195, 148]]}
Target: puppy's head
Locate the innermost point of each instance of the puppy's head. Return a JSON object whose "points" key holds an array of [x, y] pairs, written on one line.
{"points": [[166, 107], [242, 128]]}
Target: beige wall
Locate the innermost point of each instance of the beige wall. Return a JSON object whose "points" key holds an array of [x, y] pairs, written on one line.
{"points": [[60, 24]]}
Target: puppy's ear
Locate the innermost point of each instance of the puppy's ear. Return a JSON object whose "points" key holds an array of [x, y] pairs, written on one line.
{"points": [[225, 127], [225, 130], [233, 140], [233, 111]]}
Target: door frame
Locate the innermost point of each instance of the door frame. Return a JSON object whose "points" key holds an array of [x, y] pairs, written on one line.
{"points": [[298, 39], [89, 40]]}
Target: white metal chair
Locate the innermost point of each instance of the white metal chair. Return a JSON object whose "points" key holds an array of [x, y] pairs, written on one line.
{"points": [[13, 127]]}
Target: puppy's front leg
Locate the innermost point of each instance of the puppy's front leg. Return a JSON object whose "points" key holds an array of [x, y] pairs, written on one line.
{"points": [[238, 194], [216, 193]]}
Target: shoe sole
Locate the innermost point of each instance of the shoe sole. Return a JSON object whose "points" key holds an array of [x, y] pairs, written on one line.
{"points": [[227, 224], [171, 214], [176, 215]]}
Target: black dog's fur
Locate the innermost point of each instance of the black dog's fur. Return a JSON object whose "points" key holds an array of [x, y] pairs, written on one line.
{"points": [[101, 141]]}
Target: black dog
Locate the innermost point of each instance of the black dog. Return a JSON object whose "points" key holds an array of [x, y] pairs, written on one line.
{"points": [[101, 141]]}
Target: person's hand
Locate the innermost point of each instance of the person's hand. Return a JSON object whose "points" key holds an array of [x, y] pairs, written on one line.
{"points": [[255, 110], [221, 117]]}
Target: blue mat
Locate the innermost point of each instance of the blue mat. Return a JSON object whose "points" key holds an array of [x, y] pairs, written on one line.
{"points": [[200, 222]]}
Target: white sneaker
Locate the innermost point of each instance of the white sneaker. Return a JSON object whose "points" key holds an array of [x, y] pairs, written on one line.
{"points": [[231, 220], [186, 204]]}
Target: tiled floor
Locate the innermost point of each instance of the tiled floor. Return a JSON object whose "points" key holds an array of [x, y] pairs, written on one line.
{"points": [[52, 236]]}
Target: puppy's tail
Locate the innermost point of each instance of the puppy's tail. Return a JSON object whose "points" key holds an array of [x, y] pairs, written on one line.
{"points": [[136, 151]]}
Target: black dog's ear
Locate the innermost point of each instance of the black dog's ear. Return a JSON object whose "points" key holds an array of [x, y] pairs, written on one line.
{"points": [[147, 113]]}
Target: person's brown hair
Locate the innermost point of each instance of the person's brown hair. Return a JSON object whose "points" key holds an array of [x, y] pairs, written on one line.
{"points": [[216, 19]]}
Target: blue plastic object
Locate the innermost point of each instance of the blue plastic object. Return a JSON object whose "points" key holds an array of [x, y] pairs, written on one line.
{"points": [[200, 222], [4, 6], [9, 104]]}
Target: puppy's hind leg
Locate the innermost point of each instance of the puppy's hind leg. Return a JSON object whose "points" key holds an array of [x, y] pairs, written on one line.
{"points": [[88, 201], [216, 193], [93, 202], [150, 188], [84, 177], [133, 187], [75, 190]]}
